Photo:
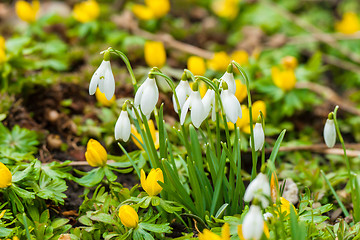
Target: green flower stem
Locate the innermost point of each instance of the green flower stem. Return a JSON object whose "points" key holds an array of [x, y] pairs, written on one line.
{"points": [[247, 83]]}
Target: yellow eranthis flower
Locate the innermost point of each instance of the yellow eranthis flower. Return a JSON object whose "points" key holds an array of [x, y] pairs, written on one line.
{"points": [[208, 235], [226, 8], [15, 238], [2, 214], [241, 57], [265, 231], [155, 55], [95, 154], [349, 24], [6, 176], [196, 65], [219, 62], [2, 56], [240, 92], [2, 42], [258, 106], [284, 79], [154, 134], [150, 184], [159, 8], [142, 12], [289, 62], [100, 97], [86, 11], [128, 216], [27, 11], [285, 207]]}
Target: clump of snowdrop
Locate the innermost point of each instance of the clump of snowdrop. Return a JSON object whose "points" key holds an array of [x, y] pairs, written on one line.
{"points": [[183, 91], [147, 96], [259, 137], [196, 106], [123, 126], [228, 77], [330, 131], [253, 224], [230, 104], [258, 189], [104, 78]]}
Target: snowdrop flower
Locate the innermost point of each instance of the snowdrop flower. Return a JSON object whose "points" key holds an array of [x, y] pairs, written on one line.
{"points": [[123, 126], [230, 104], [268, 216], [147, 96], [259, 188], [183, 91], [330, 131], [228, 77], [197, 107], [259, 137], [209, 103], [253, 224], [104, 78]]}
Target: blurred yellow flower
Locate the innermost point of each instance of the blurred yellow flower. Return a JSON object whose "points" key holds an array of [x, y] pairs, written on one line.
{"points": [[219, 62], [95, 154], [6, 176], [150, 184], [2, 42], [284, 79], [15, 238], [153, 9], [265, 230], [289, 62], [285, 207], [100, 97], [208, 235], [196, 65], [26, 11], [128, 216], [258, 106], [226, 8], [154, 134], [86, 11], [274, 187], [155, 55], [241, 57], [240, 92], [2, 50], [349, 24], [2, 214]]}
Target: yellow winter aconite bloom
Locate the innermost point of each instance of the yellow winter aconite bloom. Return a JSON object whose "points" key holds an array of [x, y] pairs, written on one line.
{"points": [[2, 50], [2, 214], [150, 184], [155, 55], [240, 56], [226, 8], [219, 62], [349, 24], [100, 97], [208, 235], [86, 11], [153, 9], [128, 216], [26, 11], [6, 176], [265, 230], [289, 62], [284, 79], [95, 154], [154, 134], [240, 92], [196, 65], [257, 107], [285, 206], [15, 238]]}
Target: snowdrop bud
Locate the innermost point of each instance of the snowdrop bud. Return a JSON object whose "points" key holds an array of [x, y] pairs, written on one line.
{"points": [[104, 78], [147, 96], [228, 77], [253, 224], [330, 131], [123, 126], [259, 188], [183, 91], [259, 137], [231, 105]]}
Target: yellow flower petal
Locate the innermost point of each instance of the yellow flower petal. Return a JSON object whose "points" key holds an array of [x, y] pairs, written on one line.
{"points": [[142, 12], [240, 92], [6, 176], [100, 97], [128, 216], [257, 107], [26, 11], [289, 62], [349, 24], [159, 8], [95, 154], [86, 11], [219, 62], [150, 184], [155, 55], [284, 79], [241, 57], [196, 65]]}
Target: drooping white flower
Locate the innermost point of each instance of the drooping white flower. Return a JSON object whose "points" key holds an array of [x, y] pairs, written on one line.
{"points": [[123, 127], [253, 224], [231, 106], [209, 103], [268, 216], [197, 109], [183, 91], [259, 188], [228, 77], [147, 96], [104, 78], [259, 137], [330, 133]]}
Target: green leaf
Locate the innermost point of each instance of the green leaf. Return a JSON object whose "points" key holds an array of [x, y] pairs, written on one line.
{"points": [[59, 222], [103, 217], [109, 174], [158, 228], [52, 189], [93, 178], [21, 139]]}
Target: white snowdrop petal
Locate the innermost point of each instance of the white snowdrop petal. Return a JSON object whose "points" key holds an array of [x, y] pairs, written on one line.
{"points": [[93, 85], [183, 91], [149, 97], [109, 83], [197, 110], [259, 188], [231, 106], [123, 127], [330, 133], [253, 223], [184, 110], [230, 80], [208, 100], [95, 79], [139, 93], [259, 137]]}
